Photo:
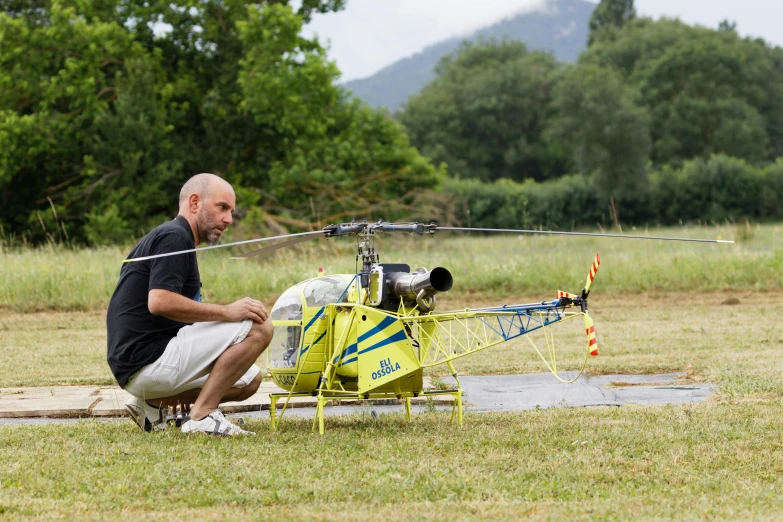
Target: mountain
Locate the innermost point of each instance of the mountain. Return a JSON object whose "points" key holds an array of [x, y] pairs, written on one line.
{"points": [[561, 27]]}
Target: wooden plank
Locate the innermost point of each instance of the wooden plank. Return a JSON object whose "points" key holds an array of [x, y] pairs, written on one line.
{"points": [[109, 401]]}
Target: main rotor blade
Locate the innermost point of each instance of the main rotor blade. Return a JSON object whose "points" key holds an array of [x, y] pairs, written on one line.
{"points": [[284, 236], [276, 246], [583, 234]]}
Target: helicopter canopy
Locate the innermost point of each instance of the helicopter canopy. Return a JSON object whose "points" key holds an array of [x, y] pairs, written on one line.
{"points": [[317, 292], [289, 305], [322, 291], [302, 301]]}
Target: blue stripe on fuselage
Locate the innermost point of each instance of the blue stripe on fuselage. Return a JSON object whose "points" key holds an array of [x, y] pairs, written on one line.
{"points": [[348, 351], [387, 321], [316, 316], [316, 342], [399, 336], [351, 349]]}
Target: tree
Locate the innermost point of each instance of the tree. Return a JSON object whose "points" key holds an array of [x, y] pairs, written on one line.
{"points": [[598, 116], [365, 166], [609, 16], [485, 112], [59, 72], [727, 25], [707, 91], [102, 119]]}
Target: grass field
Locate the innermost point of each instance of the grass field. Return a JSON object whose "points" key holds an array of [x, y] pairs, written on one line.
{"points": [[710, 311], [718, 460], [59, 278], [715, 461]]}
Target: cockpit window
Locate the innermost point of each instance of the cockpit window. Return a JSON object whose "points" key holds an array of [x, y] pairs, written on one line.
{"points": [[283, 351], [325, 290], [289, 305]]}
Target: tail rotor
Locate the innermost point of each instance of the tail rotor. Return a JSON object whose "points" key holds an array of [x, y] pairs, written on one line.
{"points": [[567, 299], [591, 276], [566, 295], [592, 341]]}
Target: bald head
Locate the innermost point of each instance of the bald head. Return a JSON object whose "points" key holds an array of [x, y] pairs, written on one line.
{"points": [[201, 185], [207, 202]]}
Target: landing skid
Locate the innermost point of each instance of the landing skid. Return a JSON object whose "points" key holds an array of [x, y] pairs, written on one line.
{"points": [[331, 395]]}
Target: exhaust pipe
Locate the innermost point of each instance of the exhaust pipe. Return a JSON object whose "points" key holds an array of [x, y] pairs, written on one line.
{"points": [[421, 286]]}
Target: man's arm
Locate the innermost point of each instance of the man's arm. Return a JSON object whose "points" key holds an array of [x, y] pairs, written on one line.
{"points": [[179, 308]]}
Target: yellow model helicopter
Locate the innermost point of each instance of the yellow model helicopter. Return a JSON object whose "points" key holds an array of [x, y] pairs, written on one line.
{"points": [[369, 335]]}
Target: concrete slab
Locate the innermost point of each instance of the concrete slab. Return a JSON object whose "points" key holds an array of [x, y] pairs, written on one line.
{"points": [[50, 401], [482, 393], [522, 392], [95, 401], [112, 402]]}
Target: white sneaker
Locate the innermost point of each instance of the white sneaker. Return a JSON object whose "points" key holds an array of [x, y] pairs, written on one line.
{"points": [[146, 417], [214, 424]]}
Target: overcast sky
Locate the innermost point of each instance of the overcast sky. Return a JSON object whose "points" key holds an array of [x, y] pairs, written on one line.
{"points": [[371, 34]]}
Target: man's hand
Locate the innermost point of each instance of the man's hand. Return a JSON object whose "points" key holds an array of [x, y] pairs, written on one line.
{"points": [[247, 308]]}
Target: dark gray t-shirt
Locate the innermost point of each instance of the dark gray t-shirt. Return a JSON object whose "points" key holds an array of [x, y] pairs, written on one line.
{"points": [[136, 337]]}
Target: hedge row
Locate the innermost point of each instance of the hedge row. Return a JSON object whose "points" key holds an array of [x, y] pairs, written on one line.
{"points": [[718, 189]]}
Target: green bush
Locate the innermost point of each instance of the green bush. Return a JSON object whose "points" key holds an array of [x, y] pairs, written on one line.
{"points": [[718, 189], [107, 227], [772, 191], [561, 203]]}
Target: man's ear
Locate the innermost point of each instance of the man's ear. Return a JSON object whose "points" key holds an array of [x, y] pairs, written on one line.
{"points": [[194, 203]]}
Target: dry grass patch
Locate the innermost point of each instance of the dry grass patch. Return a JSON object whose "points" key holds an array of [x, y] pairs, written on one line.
{"points": [[53, 348]]}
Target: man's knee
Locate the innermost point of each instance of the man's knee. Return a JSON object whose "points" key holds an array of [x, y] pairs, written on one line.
{"points": [[249, 390], [261, 334], [258, 338], [253, 386]]}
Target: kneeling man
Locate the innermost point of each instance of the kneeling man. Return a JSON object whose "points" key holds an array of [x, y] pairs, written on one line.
{"points": [[165, 347]]}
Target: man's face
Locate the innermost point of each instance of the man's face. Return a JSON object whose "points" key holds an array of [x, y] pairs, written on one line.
{"points": [[215, 213]]}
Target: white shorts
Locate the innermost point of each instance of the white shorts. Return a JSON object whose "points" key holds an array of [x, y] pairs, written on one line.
{"points": [[188, 359]]}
